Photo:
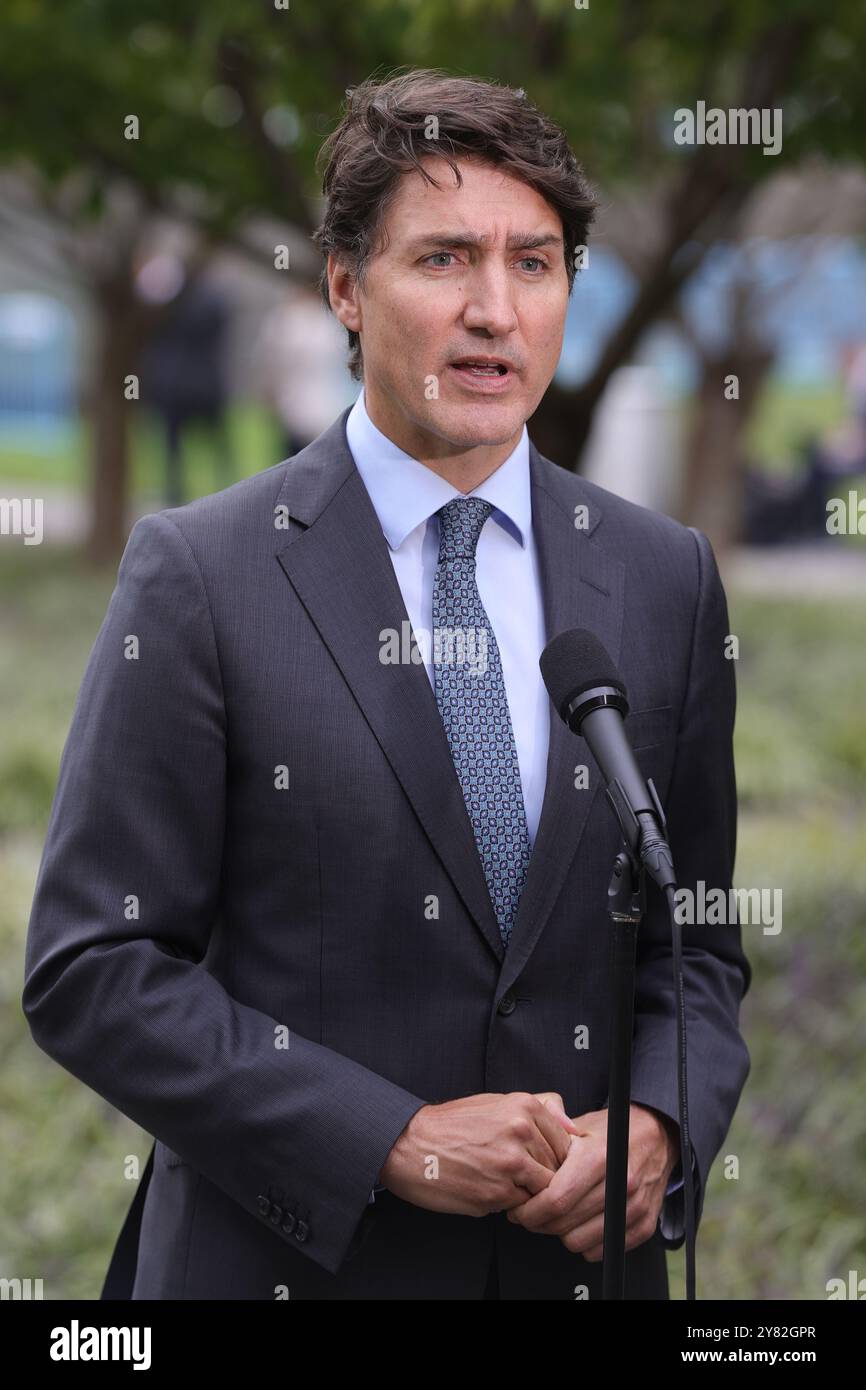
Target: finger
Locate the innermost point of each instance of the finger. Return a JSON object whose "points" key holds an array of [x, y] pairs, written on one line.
{"points": [[596, 1252], [554, 1132], [562, 1193], [551, 1154], [587, 1207], [534, 1178], [552, 1101], [587, 1238], [541, 1151]]}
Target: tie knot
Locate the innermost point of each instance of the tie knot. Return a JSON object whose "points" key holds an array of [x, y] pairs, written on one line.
{"points": [[460, 523]]}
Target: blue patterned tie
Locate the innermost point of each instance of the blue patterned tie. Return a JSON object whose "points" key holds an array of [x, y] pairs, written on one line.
{"points": [[470, 693]]}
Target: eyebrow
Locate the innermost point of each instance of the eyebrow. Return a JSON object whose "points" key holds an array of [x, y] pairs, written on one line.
{"points": [[517, 241]]}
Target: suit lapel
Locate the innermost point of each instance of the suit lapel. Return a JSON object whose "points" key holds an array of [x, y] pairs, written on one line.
{"points": [[342, 572], [332, 549], [582, 587]]}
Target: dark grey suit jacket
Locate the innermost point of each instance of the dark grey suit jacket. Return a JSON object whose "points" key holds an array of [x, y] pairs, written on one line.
{"points": [[232, 938]]}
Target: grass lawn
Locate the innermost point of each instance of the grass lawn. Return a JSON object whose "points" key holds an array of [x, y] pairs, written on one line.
{"points": [[255, 443]]}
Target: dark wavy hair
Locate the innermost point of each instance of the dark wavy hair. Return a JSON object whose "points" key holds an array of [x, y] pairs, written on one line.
{"points": [[382, 135]]}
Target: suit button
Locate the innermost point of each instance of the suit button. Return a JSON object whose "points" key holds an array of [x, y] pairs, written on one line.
{"points": [[264, 1206], [302, 1230], [289, 1224], [507, 1004], [276, 1214]]}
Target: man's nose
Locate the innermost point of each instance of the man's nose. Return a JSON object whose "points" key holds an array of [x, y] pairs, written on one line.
{"points": [[490, 301]]}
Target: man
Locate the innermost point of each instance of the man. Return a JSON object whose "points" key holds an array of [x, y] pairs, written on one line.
{"points": [[322, 907]]}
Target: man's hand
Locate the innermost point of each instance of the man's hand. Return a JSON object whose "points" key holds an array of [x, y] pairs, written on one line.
{"points": [[571, 1205], [482, 1153]]}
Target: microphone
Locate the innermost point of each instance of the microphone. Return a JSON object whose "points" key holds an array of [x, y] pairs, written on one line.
{"points": [[589, 695]]}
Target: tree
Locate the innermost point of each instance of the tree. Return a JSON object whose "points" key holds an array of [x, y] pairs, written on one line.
{"points": [[231, 105]]}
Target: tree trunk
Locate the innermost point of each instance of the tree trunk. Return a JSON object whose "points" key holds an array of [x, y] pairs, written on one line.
{"points": [[125, 324], [715, 461], [120, 333], [701, 204]]}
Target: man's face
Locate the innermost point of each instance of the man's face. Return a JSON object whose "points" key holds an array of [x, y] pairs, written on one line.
{"points": [[430, 299]]}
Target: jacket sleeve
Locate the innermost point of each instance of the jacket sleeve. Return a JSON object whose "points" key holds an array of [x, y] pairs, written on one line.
{"points": [[116, 986], [701, 811]]}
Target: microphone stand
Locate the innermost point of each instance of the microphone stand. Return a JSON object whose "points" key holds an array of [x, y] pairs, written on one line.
{"points": [[641, 819], [626, 896], [626, 906]]}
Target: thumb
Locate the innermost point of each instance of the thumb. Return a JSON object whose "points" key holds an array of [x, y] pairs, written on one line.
{"points": [[553, 1102]]}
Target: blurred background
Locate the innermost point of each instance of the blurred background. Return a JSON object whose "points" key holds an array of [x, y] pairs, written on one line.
{"points": [[160, 337]]}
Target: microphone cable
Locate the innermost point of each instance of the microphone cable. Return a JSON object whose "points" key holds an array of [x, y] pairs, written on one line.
{"points": [[682, 1092]]}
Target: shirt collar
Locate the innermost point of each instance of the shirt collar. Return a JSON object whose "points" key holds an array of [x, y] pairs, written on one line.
{"points": [[405, 492]]}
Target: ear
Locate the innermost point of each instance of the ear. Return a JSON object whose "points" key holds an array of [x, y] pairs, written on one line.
{"points": [[343, 294]]}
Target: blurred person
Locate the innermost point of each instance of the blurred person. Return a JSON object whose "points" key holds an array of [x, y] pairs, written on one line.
{"points": [[837, 454], [331, 925], [183, 369], [854, 377], [301, 367]]}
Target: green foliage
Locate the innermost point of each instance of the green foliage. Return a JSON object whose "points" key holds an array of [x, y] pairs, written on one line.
{"points": [[786, 417], [791, 742], [613, 74], [790, 1220]]}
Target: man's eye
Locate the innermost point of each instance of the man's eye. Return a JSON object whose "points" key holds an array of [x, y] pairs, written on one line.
{"points": [[524, 260]]}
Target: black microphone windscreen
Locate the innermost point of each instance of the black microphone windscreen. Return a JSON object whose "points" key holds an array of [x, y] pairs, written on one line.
{"points": [[575, 661]]}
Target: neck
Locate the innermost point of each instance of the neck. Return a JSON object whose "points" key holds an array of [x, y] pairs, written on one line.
{"points": [[464, 468]]}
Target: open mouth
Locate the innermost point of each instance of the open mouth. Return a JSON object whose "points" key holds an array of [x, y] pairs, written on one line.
{"points": [[491, 369]]}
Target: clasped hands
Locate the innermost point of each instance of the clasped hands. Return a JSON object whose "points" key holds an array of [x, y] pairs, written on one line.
{"points": [[522, 1154], [571, 1206]]}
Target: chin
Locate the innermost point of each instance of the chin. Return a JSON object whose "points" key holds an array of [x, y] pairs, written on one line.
{"points": [[481, 422]]}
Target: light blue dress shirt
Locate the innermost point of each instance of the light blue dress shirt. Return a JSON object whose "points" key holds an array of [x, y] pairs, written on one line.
{"points": [[406, 495]]}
